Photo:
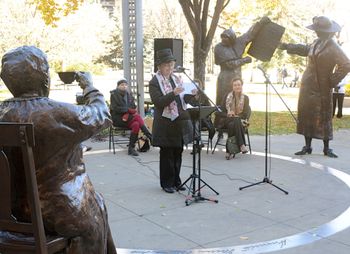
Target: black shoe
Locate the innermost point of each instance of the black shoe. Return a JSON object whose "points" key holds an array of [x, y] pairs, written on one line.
{"points": [[339, 116], [330, 153], [182, 188], [169, 189], [304, 150]]}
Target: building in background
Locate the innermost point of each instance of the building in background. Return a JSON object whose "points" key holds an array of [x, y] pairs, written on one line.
{"points": [[108, 5]]}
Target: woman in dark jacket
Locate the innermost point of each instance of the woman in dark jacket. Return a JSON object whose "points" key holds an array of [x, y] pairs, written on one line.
{"points": [[235, 113], [124, 114], [319, 78], [172, 128]]}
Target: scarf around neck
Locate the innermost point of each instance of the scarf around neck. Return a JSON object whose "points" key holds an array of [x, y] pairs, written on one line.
{"points": [[171, 111], [233, 105]]}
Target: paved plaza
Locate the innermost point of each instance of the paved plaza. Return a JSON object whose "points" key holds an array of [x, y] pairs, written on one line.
{"points": [[312, 218]]}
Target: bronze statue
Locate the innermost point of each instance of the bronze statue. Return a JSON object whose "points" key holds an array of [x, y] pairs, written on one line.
{"points": [[70, 205], [327, 66], [228, 54]]}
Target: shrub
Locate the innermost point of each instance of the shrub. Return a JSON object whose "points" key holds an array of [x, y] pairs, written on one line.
{"points": [[347, 90]]}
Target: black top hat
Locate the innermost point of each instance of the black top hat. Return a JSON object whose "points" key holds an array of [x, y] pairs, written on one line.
{"points": [[324, 24], [164, 56]]}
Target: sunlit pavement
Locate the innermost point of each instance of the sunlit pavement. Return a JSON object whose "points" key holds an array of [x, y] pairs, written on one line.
{"points": [[312, 218]]}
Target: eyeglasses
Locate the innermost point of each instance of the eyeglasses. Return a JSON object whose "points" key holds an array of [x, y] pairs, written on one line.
{"points": [[169, 64]]}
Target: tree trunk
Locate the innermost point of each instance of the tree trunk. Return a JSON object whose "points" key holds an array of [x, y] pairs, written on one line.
{"points": [[199, 62]]}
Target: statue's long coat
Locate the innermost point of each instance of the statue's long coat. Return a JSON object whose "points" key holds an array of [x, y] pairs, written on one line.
{"points": [[327, 66]]}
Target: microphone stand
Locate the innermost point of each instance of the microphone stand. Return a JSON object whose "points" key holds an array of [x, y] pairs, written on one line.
{"points": [[197, 148], [266, 179]]}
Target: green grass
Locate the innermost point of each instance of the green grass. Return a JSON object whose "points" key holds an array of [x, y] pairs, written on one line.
{"points": [[283, 123]]}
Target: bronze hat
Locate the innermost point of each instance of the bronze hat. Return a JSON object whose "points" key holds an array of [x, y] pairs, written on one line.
{"points": [[324, 24]]}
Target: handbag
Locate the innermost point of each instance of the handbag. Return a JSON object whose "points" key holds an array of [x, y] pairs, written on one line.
{"points": [[231, 145], [146, 146]]}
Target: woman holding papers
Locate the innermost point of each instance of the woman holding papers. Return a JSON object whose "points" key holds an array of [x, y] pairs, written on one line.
{"points": [[172, 128]]}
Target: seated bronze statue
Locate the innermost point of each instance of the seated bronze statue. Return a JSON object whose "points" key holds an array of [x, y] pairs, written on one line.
{"points": [[70, 205]]}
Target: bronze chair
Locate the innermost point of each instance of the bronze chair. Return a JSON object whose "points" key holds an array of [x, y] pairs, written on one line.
{"points": [[17, 236]]}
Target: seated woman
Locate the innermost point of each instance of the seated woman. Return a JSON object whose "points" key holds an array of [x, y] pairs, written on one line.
{"points": [[235, 112], [124, 114]]}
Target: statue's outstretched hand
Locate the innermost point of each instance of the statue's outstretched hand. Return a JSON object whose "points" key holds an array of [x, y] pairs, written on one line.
{"points": [[247, 59], [282, 46], [84, 79]]}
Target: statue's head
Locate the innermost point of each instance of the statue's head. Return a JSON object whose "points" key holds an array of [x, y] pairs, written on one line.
{"points": [[230, 35], [324, 27], [25, 72]]}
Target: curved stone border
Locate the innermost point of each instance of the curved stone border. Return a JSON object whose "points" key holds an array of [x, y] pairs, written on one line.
{"points": [[338, 224]]}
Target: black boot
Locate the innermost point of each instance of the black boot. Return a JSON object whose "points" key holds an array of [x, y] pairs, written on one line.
{"points": [[304, 151], [146, 132], [327, 151], [132, 141]]}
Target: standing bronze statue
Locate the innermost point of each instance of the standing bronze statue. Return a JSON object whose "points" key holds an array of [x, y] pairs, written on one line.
{"points": [[70, 205], [228, 54], [327, 66]]}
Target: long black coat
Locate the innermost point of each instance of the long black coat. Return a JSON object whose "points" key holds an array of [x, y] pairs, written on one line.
{"points": [[120, 103], [315, 96], [167, 133]]}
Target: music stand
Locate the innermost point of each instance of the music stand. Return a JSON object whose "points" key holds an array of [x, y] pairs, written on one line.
{"points": [[194, 193], [266, 179]]}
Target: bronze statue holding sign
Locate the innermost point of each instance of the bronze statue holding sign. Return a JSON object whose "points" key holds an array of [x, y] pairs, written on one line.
{"points": [[70, 205], [327, 66], [228, 54]]}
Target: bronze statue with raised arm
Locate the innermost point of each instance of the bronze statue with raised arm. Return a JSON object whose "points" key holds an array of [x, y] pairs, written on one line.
{"points": [[327, 66], [228, 54], [70, 205]]}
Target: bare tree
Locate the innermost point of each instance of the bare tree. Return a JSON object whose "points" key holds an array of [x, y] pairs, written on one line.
{"points": [[197, 14]]}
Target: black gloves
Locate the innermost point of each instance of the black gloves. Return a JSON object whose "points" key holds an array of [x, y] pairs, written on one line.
{"points": [[283, 46], [247, 59], [265, 20]]}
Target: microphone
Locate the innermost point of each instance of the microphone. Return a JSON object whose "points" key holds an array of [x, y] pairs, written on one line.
{"points": [[180, 69]]}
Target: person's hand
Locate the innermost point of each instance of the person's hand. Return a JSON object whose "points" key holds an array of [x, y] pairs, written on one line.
{"points": [[125, 117], [84, 79], [247, 59], [178, 90], [131, 111], [282, 46], [265, 20]]}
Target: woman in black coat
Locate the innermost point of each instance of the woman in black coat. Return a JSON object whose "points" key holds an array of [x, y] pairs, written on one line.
{"points": [[172, 128], [124, 114], [235, 113]]}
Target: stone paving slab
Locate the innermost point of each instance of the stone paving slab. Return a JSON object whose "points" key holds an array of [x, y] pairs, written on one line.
{"points": [[142, 216]]}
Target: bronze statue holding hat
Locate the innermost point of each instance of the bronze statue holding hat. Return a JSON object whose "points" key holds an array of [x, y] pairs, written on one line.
{"points": [[327, 66], [69, 203]]}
